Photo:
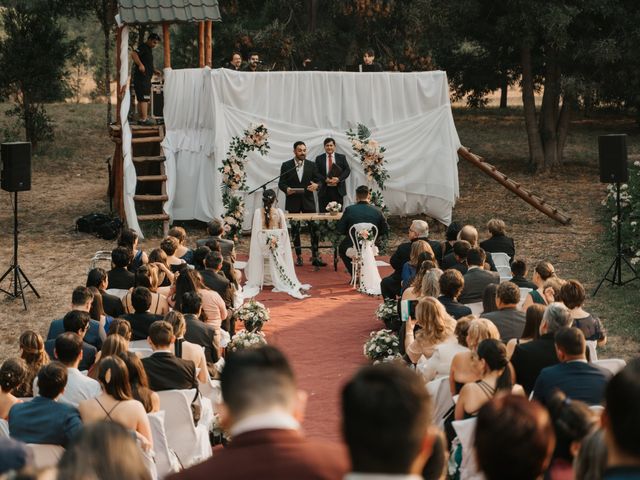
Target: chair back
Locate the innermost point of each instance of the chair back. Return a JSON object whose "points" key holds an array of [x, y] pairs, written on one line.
{"points": [[523, 296], [442, 401], [505, 273], [4, 428], [614, 365], [166, 459], [355, 252], [118, 292], [476, 308], [592, 347], [465, 430], [45, 455], [501, 259], [100, 256]]}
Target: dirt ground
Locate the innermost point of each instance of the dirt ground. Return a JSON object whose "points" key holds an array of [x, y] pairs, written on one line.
{"points": [[70, 180]]}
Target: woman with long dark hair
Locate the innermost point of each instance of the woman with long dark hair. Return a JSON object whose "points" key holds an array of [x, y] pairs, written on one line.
{"points": [[140, 382]]}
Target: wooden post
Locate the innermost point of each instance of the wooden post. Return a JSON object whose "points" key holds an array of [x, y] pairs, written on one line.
{"points": [[167, 45], [201, 44], [209, 45], [118, 64]]}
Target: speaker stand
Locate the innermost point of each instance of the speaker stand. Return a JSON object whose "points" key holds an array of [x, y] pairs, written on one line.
{"points": [[14, 272], [620, 259]]}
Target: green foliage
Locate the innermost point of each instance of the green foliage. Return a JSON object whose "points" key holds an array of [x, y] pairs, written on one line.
{"points": [[630, 213]]}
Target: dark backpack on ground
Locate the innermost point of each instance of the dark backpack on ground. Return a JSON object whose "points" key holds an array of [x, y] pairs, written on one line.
{"points": [[100, 225]]}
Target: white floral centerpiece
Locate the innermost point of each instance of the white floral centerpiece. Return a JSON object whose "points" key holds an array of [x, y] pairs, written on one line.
{"points": [[253, 314], [387, 312], [382, 346], [334, 208], [245, 339]]}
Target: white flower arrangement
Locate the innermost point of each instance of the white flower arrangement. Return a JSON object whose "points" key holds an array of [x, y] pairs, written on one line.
{"points": [[382, 346], [245, 339], [387, 311], [333, 207], [253, 314]]}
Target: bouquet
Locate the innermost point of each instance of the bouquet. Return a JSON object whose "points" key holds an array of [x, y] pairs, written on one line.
{"points": [[365, 234], [253, 314], [382, 346], [272, 242], [333, 207], [246, 339]]}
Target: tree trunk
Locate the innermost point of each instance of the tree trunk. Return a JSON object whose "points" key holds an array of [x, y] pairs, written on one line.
{"points": [[107, 70], [536, 153], [550, 113], [313, 15], [563, 125], [504, 90]]}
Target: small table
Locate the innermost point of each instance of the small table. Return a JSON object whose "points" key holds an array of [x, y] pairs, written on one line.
{"points": [[318, 217]]}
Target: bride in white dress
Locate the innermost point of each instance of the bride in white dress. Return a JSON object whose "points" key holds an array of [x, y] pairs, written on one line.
{"points": [[270, 259]]}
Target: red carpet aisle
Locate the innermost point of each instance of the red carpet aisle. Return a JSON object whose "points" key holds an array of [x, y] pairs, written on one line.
{"points": [[323, 336]]}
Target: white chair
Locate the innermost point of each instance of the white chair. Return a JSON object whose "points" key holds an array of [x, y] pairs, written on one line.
{"points": [[4, 428], [614, 365], [190, 443], [100, 256], [465, 430], [442, 401], [505, 273], [592, 347], [523, 296], [211, 390], [45, 455], [139, 344], [361, 273], [501, 259], [166, 459], [476, 308], [118, 292]]}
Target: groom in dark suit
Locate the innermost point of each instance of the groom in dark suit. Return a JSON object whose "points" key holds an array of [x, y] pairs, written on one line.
{"points": [[334, 170], [299, 178]]}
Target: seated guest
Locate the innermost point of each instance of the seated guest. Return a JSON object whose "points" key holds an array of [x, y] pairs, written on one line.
{"points": [[197, 331], [43, 419], [147, 276], [451, 237], [79, 387], [533, 319], [182, 252], [431, 283], [499, 242], [530, 358], [591, 461], [436, 327], [439, 365], [519, 272], [169, 246], [457, 258], [116, 403], [509, 320], [184, 349], [514, 439], [413, 291], [234, 276], [140, 383], [572, 294], [129, 238], [470, 234], [159, 259], [97, 277], [386, 423], [489, 299], [214, 279], [119, 276], [12, 374], [262, 409], [141, 319], [121, 327], [199, 254], [33, 353], [97, 311], [496, 377], [543, 272], [476, 277], [81, 301], [390, 286], [420, 252], [451, 285], [164, 370], [113, 345], [76, 321], [215, 232], [620, 421], [572, 421], [573, 376]]}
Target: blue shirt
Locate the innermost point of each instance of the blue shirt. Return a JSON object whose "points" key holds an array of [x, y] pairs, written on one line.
{"points": [[622, 473]]}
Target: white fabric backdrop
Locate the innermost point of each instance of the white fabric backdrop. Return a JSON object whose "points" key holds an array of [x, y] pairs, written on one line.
{"points": [[408, 113]]}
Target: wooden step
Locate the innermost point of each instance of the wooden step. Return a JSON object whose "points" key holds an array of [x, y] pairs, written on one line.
{"points": [[153, 216], [151, 198], [152, 178], [159, 158], [147, 139]]}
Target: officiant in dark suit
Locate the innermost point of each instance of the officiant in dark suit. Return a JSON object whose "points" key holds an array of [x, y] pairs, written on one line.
{"points": [[334, 170], [299, 178]]}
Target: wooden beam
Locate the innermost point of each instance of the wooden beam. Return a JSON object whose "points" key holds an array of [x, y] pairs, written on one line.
{"points": [[208, 44], [201, 44], [167, 45]]}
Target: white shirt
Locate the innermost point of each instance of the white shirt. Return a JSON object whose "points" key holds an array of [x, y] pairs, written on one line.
{"points": [[381, 476], [79, 387], [300, 170], [262, 421]]}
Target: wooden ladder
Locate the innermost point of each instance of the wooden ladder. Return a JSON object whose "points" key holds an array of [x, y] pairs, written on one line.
{"points": [[531, 198]]}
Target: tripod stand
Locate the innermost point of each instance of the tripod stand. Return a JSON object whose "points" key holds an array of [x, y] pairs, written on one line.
{"points": [[616, 265], [18, 277]]}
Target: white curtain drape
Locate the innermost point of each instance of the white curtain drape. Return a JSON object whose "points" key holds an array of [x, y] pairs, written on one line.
{"points": [[408, 113]]}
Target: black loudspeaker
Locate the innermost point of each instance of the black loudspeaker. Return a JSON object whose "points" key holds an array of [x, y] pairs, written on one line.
{"points": [[613, 158], [16, 166]]}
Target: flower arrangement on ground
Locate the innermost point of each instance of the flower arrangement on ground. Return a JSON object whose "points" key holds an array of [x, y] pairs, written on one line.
{"points": [[245, 339], [382, 346], [333, 207], [387, 312], [253, 314]]}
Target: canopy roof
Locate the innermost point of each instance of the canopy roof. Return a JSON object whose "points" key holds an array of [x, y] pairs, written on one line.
{"points": [[171, 11]]}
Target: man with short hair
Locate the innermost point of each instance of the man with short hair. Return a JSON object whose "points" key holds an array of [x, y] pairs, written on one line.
{"points": [[361, 212], [254, 64], [574, 376], [143, 71], [164, 369], [79, 387], [81, 300], [369, 63], [76, 321], [197, 331], [519, 272], [476, 278], [391, 286], [386, 423], [469, 234], [530, 358], [457, 258], [498, 242], [620, 421], [262, 409], [236, 62], [508, 319], [215, 231], [451, 284], [119, 277], [333, 169], [141, 319], [43, 420], [214, 280]]}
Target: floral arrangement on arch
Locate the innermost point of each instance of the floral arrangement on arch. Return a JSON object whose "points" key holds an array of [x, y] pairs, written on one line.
{"points": [[234, 178], [382, 346], [245, 339], [253, 314]]}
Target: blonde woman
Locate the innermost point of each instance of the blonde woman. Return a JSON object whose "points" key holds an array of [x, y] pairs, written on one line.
{"points": [[187, 350], [147, 276], [33, 353], [431, 283], [420, 251], [413, 292], [436, 327], [183, 252]]}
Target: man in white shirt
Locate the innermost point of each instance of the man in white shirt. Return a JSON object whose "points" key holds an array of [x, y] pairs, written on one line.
{"points": [[68, 350], [386, 423]]}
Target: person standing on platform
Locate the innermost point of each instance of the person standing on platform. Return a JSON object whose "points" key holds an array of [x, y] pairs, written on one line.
{"points": [[299, 178], [334, 170], [143, 71]]}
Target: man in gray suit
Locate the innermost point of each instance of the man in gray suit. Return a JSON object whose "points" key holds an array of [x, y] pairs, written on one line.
{"points": [[476, 278], [508, 319], [215, 231]]}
